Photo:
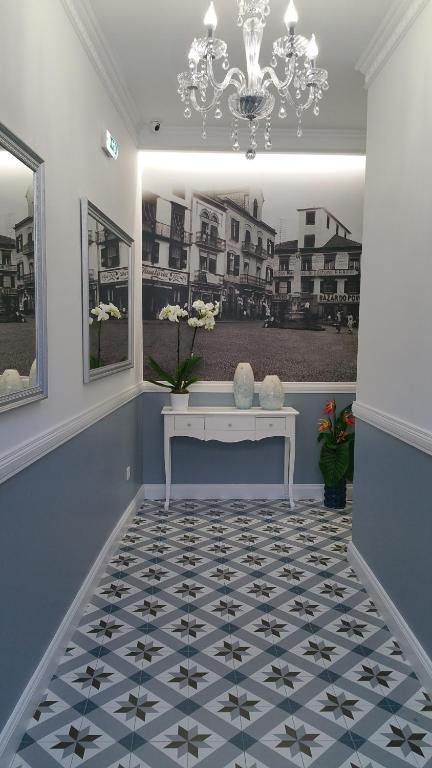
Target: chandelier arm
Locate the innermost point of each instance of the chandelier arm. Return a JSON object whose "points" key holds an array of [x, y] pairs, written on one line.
{"points": [[204, 108], [269, 75], [310, 99], [229, 79]]}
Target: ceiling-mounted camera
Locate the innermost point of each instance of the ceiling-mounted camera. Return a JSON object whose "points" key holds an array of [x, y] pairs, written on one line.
{"points": [[155, 126]]}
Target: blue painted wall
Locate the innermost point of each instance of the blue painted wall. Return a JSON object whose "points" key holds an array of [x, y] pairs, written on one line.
{"points": [[55, 516], [392, 523], [261, 462]]}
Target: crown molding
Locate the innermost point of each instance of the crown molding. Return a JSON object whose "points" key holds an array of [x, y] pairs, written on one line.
{"points": [[94, 43], [320, 140], [389, 34]]}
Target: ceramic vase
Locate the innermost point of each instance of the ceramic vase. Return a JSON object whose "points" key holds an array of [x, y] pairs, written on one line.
{"points": [[244, 386], [11, 381], [179, 402], [271, 394]]}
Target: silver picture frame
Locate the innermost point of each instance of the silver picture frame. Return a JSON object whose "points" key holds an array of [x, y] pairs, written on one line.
{"points": [[26, 155], [88, 210]]}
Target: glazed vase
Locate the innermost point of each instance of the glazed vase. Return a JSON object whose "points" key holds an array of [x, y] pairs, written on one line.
{"points": [[244, 386], [179, 402], [272, 394], [335, 496]]}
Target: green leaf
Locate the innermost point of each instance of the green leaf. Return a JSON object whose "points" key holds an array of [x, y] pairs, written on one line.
{"points": [[159, 384], [334, 462], [164, 375]]}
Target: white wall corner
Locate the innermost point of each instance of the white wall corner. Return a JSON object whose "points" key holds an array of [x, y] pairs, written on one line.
{"points": [[15, 727], [412, 648], [387, 37], [94, 43]]}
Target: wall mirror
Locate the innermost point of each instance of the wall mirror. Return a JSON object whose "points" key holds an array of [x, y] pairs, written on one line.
{"points": [[107, 278], [23, 350]]}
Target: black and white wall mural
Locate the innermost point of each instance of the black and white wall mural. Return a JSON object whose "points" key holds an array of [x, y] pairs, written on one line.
{"points": [[278, 245]]}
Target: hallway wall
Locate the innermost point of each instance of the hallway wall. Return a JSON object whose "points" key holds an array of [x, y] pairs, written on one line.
{"points": [[392, 519], [56, 515]]}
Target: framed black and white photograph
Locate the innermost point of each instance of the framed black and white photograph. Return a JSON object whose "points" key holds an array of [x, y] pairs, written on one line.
{"points": [[277, 246], [107, 285]]}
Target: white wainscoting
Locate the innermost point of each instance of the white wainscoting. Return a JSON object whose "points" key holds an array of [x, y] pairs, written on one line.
{"points": [[15, 727], [300, 387], [25, 454], [404, 430], [413, 650]]}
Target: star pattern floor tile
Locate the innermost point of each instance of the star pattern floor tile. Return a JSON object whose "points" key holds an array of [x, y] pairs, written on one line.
{"points": [[231, 635]]}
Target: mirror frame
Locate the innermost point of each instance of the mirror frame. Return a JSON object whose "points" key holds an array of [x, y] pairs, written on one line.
{"points": [[88, 209], [22, 152]]}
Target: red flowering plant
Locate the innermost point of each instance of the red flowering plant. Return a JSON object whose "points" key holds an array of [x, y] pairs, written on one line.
{"points": [[336, 433]]}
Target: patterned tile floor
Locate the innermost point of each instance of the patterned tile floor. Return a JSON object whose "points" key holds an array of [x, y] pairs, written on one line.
{"points": [[231, 635]]}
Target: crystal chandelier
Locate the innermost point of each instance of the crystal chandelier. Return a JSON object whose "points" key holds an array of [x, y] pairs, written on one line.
{"points": [[301, 85]]}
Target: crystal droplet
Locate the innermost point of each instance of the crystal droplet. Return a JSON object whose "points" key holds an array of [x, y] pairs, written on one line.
{"points": [[236, 146], [298, 94], [316, 110], [204, 135], [239, 21], [299, 131], [218, 113], [273, 61], [187, 113], [225, 64], [268, 145], [282, 113], [250, 154]]}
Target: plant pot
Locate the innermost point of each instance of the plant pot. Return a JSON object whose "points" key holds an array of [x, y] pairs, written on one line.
{"points": [[335, 496], [179, 402]]}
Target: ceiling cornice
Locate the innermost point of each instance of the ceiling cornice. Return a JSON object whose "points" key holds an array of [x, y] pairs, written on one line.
{"points": [[95, 45], [389, 34], [320, 140]]}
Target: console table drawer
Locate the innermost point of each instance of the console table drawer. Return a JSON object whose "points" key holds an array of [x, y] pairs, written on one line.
{"points": [[189, 424], [230, 423], [266, 425]]}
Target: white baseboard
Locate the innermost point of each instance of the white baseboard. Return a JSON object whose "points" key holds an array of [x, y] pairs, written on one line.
{"points": [[413, 650], [231, 491], [14, 729]]}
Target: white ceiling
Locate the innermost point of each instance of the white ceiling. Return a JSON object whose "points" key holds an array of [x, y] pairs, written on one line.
{"points": [[148, 41]]}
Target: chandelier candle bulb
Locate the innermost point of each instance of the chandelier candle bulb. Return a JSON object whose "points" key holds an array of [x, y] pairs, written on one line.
{"points": [[312, 50], [210, 19], [291, 17]]}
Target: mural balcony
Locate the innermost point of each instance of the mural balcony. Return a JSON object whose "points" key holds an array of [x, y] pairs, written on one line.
{"points": [[327, 272], [208, 278], [28, 280], [210, 241], [254, 249], [28, 248], [154, 229], [230, 277], [9, 291], [254, 281], [9, 268]]}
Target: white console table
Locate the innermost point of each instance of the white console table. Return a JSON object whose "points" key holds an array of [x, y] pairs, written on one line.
{"points": [[230, 425]]}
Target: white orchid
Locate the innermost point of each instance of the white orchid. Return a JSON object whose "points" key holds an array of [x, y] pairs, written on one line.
{"points": [[113, 311], [100, 313], [173, 313]]}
